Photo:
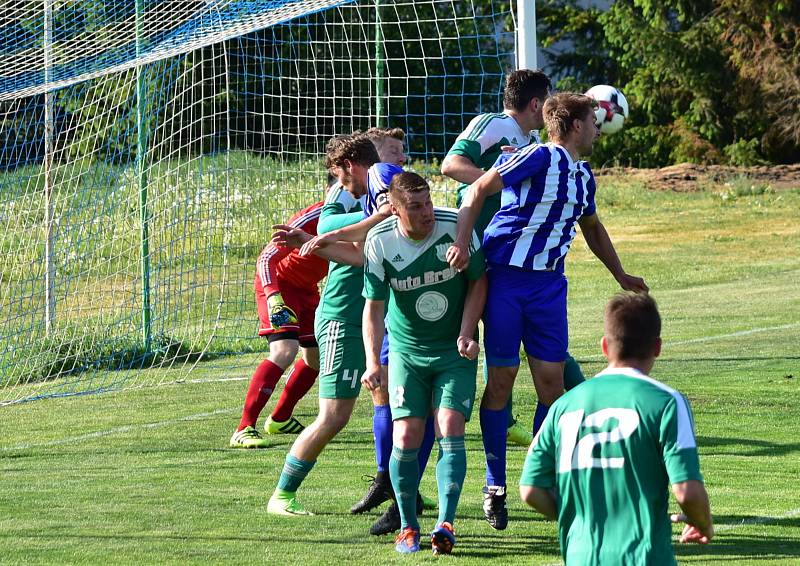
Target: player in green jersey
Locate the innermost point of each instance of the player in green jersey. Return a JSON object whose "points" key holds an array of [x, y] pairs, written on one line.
{"points": [[433, 311], [609, 449], [337, 324]]}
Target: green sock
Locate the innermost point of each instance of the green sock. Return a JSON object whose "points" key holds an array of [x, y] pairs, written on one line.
{"points": [[293, 473], [451, 469], [572, 373], [404, 471]]}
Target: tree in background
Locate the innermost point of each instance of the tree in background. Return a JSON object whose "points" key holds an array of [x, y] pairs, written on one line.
{"points": [[710, 81]]}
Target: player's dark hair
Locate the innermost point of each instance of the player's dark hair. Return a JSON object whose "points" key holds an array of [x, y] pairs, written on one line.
{"points": [[632, 325], [562, 110], [524, 85], [404, 184], [357, 149]]}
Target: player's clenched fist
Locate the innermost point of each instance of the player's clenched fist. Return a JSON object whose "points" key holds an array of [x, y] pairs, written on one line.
{"points": [[457, 256], [468, 348], [279, 314]]}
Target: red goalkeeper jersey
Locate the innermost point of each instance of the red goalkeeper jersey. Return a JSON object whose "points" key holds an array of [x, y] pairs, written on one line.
{"points": [[280, 264]]}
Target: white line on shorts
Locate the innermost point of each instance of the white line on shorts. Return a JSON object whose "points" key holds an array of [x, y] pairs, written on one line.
{"points": [[119, 430]]}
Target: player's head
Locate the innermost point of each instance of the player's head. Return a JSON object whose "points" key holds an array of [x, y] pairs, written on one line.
{"points": [[389, 143], [349, 158], [569, 117], [632, 329], [410, 197], [525, 92]]}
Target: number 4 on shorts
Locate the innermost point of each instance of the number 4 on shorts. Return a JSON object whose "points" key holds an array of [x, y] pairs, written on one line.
{"points": [[353, 379]]}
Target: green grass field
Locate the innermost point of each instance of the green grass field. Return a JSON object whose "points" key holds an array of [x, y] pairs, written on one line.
{"points": [[145, 476]]}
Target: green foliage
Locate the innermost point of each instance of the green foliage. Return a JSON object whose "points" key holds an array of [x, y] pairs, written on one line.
{"points": [[716, 78], [744, 153]]}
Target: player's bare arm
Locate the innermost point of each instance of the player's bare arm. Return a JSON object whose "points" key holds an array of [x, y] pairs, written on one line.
{"points": [[473, 309], [340, 252], [288, 236], [599, 242], [488, 184], [693, 499], [540, 499], [354, 233], [373, 327], [461, 169]]}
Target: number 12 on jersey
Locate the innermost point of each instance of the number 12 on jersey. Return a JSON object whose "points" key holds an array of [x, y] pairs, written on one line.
{"points": [[577, 454]]}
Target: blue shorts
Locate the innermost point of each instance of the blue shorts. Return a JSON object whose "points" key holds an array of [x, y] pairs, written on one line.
{"points": [[385, 349], [528, 307]]}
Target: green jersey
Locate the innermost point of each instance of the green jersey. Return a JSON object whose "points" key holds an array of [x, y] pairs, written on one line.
{"points": [[341, 300], [481, 143], [611, 447], [426, 296]]}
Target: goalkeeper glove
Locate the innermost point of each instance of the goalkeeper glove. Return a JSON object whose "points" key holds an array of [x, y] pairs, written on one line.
{"points": [[279, 314]]}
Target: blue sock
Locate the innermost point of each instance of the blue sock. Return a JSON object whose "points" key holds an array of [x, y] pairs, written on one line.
{"points": [[510, 409], [494, 425], [539, 415], [382, 434], [427, 445]]}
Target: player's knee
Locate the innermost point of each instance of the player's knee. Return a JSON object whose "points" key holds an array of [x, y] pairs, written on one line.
{"points": [[311, 357], [407, 433], [283, 352]]}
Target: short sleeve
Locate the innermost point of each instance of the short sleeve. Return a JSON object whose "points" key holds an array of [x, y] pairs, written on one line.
{"points": [[678, 443], [540, 463], [376, 287], [522, 165]]}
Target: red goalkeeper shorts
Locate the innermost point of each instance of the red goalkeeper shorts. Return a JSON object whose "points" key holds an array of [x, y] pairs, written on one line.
{"points": [[302, 301]]}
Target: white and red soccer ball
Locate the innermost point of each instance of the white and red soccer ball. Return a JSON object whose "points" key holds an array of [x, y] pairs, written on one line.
{"points": [[612, 108]]}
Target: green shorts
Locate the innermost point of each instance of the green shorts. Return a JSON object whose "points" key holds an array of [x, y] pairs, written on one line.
{"points": [[341, 358], [442, 380]]}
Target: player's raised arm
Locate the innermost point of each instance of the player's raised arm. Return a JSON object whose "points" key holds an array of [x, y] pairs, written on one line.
{"points": [[488, 184], [353, 233], [599, 242], [461, 169]]}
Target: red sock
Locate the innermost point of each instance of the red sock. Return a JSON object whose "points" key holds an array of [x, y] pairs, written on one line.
{"points": [[298, 383], [262, 384]]}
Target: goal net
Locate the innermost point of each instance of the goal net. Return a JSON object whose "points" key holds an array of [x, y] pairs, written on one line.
{"points": [[148, 146]]}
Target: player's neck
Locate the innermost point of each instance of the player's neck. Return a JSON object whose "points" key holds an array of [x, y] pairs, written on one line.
{"points": [[571, 145], [415, 237], [525, 122], [643, 366]]}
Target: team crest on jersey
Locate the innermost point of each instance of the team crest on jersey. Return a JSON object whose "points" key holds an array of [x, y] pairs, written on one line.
{"points": [[431, 306], [441, 251]]}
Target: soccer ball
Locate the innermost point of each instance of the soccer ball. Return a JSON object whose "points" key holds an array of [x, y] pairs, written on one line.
{"points": [[612, 108]]}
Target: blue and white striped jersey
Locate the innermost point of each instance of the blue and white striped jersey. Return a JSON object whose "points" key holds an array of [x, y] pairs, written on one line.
{"points": [[544, 195], [380, 175]]}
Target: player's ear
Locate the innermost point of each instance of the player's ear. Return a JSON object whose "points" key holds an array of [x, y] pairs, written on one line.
{"points": [[657, 347], [604, 346]]}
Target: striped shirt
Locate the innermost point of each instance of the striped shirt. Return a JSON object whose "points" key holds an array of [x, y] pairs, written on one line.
{"points": [[544, 195], [279, 263], [379, 177]]}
